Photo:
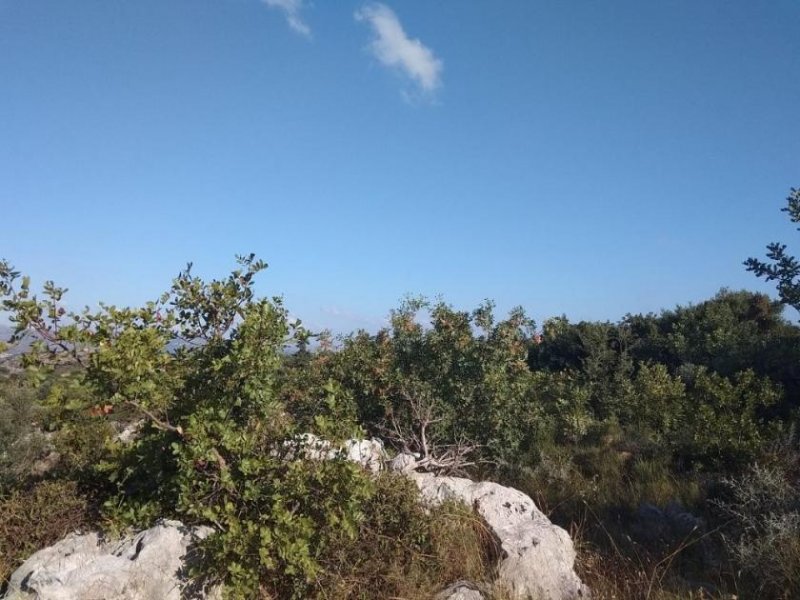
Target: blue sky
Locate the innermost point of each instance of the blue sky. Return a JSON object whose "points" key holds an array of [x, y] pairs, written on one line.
{"points": [[587, 158]]}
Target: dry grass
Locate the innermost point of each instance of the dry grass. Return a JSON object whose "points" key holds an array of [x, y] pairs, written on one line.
{"points": [[763, 536], [406, 552], [38, 517], [616, 568]]}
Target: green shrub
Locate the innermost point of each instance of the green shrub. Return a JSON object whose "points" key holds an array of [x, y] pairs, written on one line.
{"points": [[722, 426], [466, 371], [21, 443], [216, 441], [590, 419], [287, 518]]}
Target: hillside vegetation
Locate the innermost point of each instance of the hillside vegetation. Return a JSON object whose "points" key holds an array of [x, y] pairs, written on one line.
{"points": [[666, 443]]}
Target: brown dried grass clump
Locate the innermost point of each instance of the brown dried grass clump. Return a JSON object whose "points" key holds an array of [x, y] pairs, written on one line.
{"points": [[37, 517], [404, 550]]}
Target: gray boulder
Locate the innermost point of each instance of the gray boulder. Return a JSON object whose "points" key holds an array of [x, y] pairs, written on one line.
{"points": [[537, 557], [147, 566]]}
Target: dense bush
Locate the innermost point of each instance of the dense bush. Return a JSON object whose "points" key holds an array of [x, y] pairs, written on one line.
{"points": [[210, 445], [464, 378]]}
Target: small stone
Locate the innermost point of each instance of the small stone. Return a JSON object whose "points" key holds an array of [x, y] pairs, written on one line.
{"points": [[461, 590], [403, 463]]}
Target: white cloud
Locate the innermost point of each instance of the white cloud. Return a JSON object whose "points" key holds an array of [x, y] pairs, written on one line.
{"points": [[291, 9], [393, 48]]}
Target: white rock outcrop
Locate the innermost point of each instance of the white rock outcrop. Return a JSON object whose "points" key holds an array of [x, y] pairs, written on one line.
{"points": [[368, 453], [537, 556], [147, 566]]}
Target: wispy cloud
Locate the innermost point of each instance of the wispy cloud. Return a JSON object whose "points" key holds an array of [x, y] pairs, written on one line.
{"points": [[291, 10], [393, 48]]}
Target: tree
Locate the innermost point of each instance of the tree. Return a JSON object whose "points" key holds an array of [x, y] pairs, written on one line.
{"points": [[782, 267]]}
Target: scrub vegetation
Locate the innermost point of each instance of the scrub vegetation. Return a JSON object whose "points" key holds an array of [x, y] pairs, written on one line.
{"points": [[666, 444]]}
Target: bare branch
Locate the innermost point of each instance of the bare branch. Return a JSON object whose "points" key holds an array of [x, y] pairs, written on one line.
{"points": [[157, 423], [418, 439]]}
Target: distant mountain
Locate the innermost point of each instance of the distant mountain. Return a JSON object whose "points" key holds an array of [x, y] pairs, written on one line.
{"points": [[21, 346], [5, 332], [18, 348]]}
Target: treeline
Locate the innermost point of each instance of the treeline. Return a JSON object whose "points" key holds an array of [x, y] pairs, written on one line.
{"points": [[694, 407]]}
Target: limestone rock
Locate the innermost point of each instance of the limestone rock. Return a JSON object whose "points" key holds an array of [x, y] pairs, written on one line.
{"points": [[147, 566], [130, 432], [538, 556], [368, 453]]}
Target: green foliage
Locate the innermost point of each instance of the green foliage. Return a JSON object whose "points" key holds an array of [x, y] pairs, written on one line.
{"points": [[732, 332], [466, 371], [721, 426], [211, 446], [317, 403], [277, 520], [726, 333], [782, 267], [655, 402]]}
